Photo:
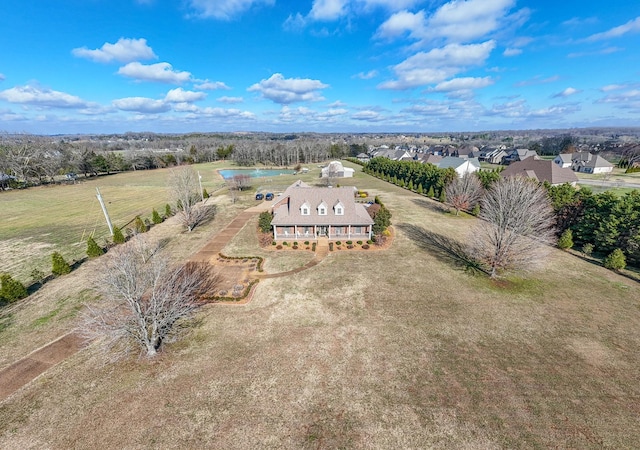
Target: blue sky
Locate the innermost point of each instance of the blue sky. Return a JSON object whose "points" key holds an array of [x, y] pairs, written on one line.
{"points": [[103, 66]]}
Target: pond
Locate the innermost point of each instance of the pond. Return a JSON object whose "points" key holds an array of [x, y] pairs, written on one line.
{"points": [[254, 173]]}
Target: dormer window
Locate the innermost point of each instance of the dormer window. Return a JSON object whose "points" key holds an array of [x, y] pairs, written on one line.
{"points": [[338, 208], [322, 209], [305, 209]]}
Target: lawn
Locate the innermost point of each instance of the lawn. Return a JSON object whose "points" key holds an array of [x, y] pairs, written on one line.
{"points": [[394, 349]]}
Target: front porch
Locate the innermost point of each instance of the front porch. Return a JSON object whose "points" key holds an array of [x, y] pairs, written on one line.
{"points": [[313, 232]]}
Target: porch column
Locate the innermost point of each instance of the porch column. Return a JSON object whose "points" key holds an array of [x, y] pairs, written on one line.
{"points": [[275, 233], [315, 232], [370, 232], [295, 230], [349, 232]]}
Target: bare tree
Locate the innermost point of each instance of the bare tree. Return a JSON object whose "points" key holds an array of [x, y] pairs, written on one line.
{"points": [[185, 191], [233, 189], [516, 227], [464, 193], [145, 300], [242, 181]]}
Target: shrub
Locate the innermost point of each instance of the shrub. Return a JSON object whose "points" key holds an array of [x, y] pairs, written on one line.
{"points": [[443, 197], [431, 193], [386, 233], [359, 242], [58, 264], [155, 217], [285, 243], [205, 194], [476, 210], [365, 246], [37, 275], [313, 247], [566, 240], [369, 242], [273, 243], [167, 210], [264, 221], [93, 249], [139, 225], [349, 242], [615, 260], [338, 243], [330, 246], [306, 242], [118, 237], [587, 249], [10, 289], [295, 243]]}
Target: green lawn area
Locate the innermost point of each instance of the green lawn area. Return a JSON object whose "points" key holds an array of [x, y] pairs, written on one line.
{"points": [[402, 348]]}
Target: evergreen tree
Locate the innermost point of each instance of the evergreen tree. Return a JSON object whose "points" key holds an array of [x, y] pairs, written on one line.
{"points": [[155, 217], [118, 237], [139, 225], [410, 185], [205, 194], [167, 210], [10, 289], [431, 193], [443, 196], [566, 240], [420, 189], [93, 249], [615, 260], [476, 210], [58, 264]]}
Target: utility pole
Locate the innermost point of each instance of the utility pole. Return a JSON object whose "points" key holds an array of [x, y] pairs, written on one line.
{"points": [[104, 210], [200, 183]]}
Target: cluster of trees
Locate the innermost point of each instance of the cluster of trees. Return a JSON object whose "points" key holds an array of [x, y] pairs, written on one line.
{"points": [[603, 222], [423, 178]]}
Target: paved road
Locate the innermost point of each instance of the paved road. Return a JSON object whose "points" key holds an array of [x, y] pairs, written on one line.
{"points": [[609, 183]]}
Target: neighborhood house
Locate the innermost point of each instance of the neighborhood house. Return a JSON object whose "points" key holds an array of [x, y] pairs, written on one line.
{"points": [[305, 212]]}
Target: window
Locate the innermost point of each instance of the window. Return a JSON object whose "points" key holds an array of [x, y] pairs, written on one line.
{"points": [[305, 211], [322, 211], [338, 211]]}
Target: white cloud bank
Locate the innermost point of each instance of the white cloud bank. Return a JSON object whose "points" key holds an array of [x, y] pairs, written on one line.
{"points": [[160, 72], [225, 9], [289, 90], [123, 51]]}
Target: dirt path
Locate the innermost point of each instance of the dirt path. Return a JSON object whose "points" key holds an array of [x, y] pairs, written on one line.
{"points": [[23, 371]]}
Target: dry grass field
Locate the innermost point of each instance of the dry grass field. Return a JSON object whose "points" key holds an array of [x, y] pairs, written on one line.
{"points": [[394, 349]]}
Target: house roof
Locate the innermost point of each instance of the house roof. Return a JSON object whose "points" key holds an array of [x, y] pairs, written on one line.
{"points": [[287, 209], [565, 157], [540, 170], [452, 161]]}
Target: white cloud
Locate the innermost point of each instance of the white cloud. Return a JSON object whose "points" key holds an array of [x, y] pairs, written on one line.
{"points": [[456, 21], [438, 64], [225, 9], [230, 100], [179, 95], [366, 75], [337, 104], [289, 90], [603, 51], [633, 26], [161, 72], [328, 9], [567, 93], [368, 116], [512, 52], [211, 86], [226, 113], [295, 23], [460, 84], [402, 22], [141, 105], [35, 95], [2, 77], [125, 50]]}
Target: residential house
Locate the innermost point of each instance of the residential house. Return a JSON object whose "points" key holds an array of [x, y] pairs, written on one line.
{"points": [[564, 160], [541, 170], [492, 155], [465, 152], [462, 166], [432, 159], [519, 154], [363, 157], [305, 212], [588, 163]]}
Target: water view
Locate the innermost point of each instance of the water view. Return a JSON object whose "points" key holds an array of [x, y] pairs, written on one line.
{"points": [[254, 173]]}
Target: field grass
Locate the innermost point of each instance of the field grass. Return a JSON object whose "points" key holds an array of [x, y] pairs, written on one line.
{"points": [[38, 221], [396, 349]]}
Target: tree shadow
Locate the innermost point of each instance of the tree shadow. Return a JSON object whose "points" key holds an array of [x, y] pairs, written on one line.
{"points": [[444, 248], [431, 205]]}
